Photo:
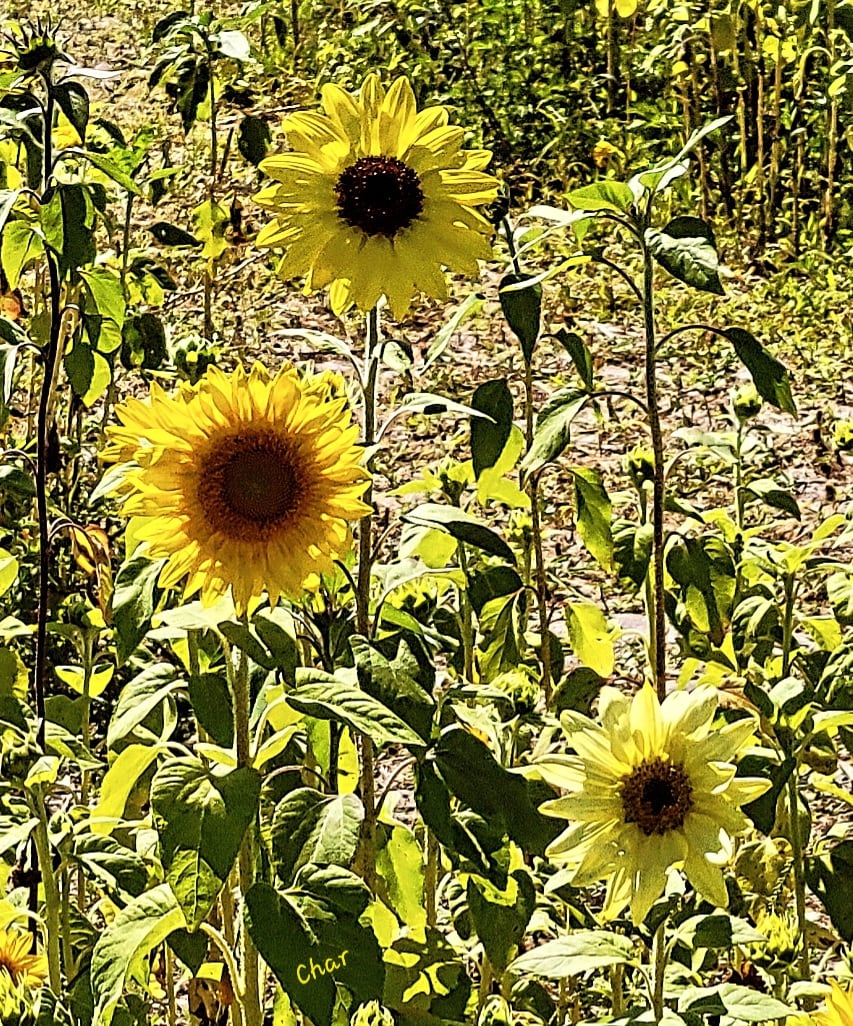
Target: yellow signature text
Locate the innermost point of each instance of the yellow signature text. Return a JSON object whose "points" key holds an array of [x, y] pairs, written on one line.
{"points": [[313, 967]]}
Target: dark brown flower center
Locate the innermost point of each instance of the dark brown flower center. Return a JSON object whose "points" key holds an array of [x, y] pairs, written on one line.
{"points": [[249, 483], [657, 796], [379, 195]]}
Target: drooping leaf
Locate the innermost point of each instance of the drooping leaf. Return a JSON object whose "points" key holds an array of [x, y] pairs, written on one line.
{"points": [[603, 195], [768, 374], [392, 686], [170, 235], [308, 826], [488, 437], [553, 429], [133, 602], [500, 920], [253, 139], [139, 699], [210, 697], [461, 526], [687, 249], [591, 638], [593, 511], [120, 953], [327, 698], [830, 877], [771, 494], [733, 1000], [521, 303], [579, 353], [73, 101], [201, 817]]}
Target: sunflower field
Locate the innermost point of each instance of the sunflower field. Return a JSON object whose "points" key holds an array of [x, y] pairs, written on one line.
{"points": [[426, 513]]}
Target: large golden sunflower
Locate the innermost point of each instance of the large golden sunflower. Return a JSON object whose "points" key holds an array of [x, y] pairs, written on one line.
{"points": [[651, 787], [375, 198], [245, 482], [16, 960]]}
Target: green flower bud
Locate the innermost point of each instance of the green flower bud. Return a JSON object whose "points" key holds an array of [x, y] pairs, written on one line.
{"points": [[747, 403], [495, 1012], [520, 688], [192, 356], [640, 465]]}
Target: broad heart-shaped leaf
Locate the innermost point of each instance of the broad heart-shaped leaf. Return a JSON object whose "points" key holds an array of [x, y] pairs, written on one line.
{"points": [[553, 429], [704, 570], [201, 818], [632, 551], [831, 878], [121, 950], [286, 943], [327, 698], [733, 1000], [569, 956], [687, 249], [593, 514], [522, 306], [500, 921], [67, 220], [591, 638], [605, 195], [768, 374], [474, 775], [73, 101], [308, 826], [133, 602], [393, 687], [488, 437], [461, 526]]}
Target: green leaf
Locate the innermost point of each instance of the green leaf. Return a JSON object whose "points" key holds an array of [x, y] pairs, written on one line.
{"points": [[253, 139], [80, 367], [489, 437], [771, 494], [110, 169], [119, 781], [591, 638], [500, 648], [830, 877], [698, 135], [73, 101], [139, 699], [400, 865], [133, 603], [704, 570], [632, 551], [461, 526], [121, 951], [605, 195], [553, 429], [117, 868], [593, 511], [575, 954], [718, 930], [106, 291], [522, 306], [308, 826], [393, 687], [580, 355], [21, 244], [768, 374], [687, 249], [210, 697], [739, 1002], [500, 920], [67, 220], [325, 697], [475, 777], [170, 235], [201, 817], [285, 941]]}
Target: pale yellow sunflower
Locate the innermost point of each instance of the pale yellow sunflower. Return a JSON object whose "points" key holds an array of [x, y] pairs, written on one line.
{"points": [[839, 1007], [244, 482], [18, 963], [375, 198], [652, 786]]}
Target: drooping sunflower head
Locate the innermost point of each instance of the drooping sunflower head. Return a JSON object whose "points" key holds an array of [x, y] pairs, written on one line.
{"points": [[245, 483], [17, 963], [376, 198], [651, 786]]}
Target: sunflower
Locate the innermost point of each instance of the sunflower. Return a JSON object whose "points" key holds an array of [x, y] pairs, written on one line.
{"points": [[244, 482], [375, 198], [651, 787], [17, 963], [839, 1007]]}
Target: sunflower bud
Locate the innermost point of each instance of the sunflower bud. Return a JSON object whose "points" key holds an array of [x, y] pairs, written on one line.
{"points": [[640, 465], [192, 357], [520, 688], [495, 1012], [372, 1014], [747, 403]]}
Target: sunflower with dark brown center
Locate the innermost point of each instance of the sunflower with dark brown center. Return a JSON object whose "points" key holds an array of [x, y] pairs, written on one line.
{"points": [[245, 483], [652, 788], [376, 198]]}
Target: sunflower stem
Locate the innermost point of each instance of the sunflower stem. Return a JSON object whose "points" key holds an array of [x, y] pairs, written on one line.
{"points": [[658, 970], [657, 635], [52, 900], [367, 855], [799, 875], [248, 985], [466, 617]]}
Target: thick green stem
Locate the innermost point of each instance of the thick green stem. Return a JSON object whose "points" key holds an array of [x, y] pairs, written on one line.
{"points": [[466, 617], [658, 970], [799, 875], [658, 613], [431, 880], [52, 898], [248, 985], [367, 855], [536, 540]]}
